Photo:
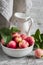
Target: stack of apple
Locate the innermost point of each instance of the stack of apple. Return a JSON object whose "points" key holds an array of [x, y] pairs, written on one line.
{"points": [[20, 41]]}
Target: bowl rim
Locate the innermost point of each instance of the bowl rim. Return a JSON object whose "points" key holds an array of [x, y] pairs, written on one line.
{"points": [[17, 49]]}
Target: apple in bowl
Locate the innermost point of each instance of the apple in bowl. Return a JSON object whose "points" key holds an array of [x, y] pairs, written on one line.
{"points": [[20, 45]]}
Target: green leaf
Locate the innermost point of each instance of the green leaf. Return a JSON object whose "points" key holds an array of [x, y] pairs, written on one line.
{"points": [[14, 29], [9, 38], [41, 45], [6, 38], [42, 36], [0, 37], [6, 31], [37, 35], [38, 39], [37, 45]]}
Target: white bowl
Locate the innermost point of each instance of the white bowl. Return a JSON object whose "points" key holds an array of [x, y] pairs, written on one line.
{"points": [[17, 52]]}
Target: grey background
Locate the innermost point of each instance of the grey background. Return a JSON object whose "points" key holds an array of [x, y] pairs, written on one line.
{"points": [[36, 13]]}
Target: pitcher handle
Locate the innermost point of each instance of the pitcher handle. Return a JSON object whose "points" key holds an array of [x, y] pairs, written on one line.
{"points": [[31, 19]]}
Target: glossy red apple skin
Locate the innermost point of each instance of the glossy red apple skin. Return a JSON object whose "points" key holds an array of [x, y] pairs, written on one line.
{"points": [[15, 35], [23, 36], [11, 44], [38, 53], [17, 39], [23, 44], [30, 40]]}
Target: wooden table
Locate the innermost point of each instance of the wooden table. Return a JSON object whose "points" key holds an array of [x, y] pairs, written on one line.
{"points": [[28, 60]]}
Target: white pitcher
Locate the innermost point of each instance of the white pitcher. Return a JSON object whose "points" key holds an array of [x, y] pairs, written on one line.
{"points": [[23, 22]]}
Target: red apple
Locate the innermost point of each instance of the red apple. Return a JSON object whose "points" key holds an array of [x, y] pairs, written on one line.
{"points": [[23, 44], [38, 53], [23, 36], [30, 40], [18, 39], [11, 44], [2, 41], [16, 34]]}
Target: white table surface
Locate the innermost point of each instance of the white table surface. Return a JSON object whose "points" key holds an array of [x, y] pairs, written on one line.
{"points": [[28, 60]]}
